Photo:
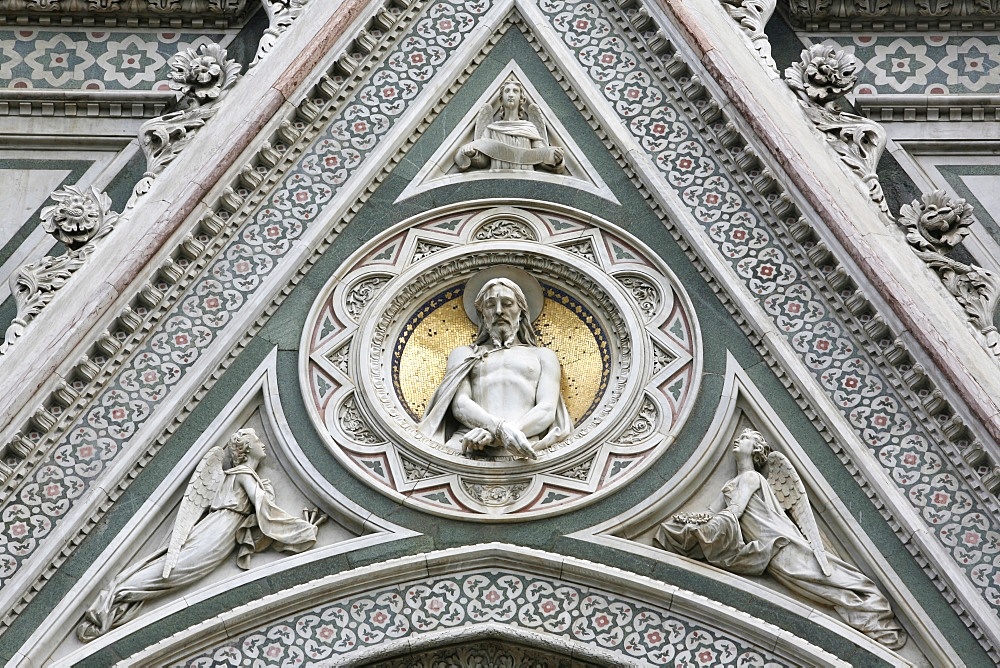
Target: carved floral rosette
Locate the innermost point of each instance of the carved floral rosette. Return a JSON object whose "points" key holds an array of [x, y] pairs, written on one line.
{"points": [[376, 342]]}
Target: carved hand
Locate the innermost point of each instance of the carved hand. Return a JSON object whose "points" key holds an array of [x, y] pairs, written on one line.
{"points": [[477, 439], [555, 156], [314, 516], [515, 440]]}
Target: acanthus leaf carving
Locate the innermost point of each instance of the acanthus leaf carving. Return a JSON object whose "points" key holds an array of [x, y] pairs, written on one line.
{"points": [[202, 78], [78, 219], [495, 494], [280, 16], [505, 228], [822, 76], [643, 424], [647, 296], [753, 15], [935, 224], [355, 424], [361, 295]]}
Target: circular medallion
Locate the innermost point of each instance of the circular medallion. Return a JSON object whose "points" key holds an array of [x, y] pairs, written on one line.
{"points": [[437, 378]]}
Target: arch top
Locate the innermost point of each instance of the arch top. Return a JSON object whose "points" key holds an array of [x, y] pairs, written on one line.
{"points": [[535, 599]]}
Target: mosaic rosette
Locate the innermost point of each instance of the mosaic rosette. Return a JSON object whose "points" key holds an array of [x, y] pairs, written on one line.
{"points": [[376, 344]]}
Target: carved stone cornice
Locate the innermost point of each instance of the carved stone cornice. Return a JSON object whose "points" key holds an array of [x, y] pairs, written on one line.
{"points": [[835, 15], [199, 13]]}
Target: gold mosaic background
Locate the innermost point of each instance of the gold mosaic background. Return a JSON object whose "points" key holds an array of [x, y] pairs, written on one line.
{"points": [[423, 360]]}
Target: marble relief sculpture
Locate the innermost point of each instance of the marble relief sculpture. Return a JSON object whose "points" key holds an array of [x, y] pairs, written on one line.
{"points": [[822, 76], [202, 78], [518, 140], [223, 509], [765, 525], [79, 219], [501, 394], [935, 224]]}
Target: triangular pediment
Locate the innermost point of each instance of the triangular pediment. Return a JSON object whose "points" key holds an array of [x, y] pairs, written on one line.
{"points": [[447, 167], [321, 217]]}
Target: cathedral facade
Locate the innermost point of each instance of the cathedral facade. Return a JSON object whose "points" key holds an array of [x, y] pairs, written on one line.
{"points": [[529, 332]]}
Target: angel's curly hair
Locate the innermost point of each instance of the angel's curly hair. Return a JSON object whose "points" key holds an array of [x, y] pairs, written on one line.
{"points": [[239, 445], [522, 106], [761, 449]]}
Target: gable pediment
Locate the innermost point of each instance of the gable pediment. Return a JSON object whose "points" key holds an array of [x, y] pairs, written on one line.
{"points": [[286, 182]]}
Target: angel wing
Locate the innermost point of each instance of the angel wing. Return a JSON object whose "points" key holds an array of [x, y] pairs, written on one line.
{"points": [[201, 489], [787, 486], [483, 119], [535, 118]]}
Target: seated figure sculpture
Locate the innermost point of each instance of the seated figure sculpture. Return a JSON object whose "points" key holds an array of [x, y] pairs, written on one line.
{"points": [[518, 141], [222, 510], [502, 392], [765, 524]]}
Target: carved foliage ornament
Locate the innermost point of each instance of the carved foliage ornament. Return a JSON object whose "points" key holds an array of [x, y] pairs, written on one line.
{"points": [[78, 219], [753, 15], [202, 78], [280, 16], [822, 76], [935, 224]]}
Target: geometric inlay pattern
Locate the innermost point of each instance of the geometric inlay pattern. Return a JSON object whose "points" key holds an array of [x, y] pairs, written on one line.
{"points": [[636, 632], [69, 471], [93, 60], [922, 64], [656, 112]]}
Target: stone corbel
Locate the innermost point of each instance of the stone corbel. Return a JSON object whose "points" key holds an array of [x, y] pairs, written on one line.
{"points": [[280, 15], [935, 224], [823, 76], [78, 219], [753, 15], [202, 78]]}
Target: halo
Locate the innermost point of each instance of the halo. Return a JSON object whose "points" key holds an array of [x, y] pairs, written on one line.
{"points": [[529, 285]]}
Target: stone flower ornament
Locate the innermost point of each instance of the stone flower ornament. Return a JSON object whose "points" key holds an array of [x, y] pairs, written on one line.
{"points": [[823, 74], [202, 76], [78, 216], [937, 222]]}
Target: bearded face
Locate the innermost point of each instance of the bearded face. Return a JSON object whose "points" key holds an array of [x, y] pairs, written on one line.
{"points": [[501, 314]]}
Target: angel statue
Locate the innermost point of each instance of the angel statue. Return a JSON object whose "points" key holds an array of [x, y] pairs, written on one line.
{"points": [[222, 509], [766, 525], [511, 142]]}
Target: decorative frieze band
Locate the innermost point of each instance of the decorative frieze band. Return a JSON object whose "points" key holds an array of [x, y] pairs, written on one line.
{"points": [[194, 13], [844, 15]]}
